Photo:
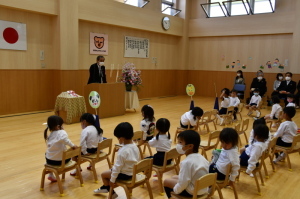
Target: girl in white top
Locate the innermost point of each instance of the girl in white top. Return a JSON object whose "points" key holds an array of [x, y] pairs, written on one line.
{"points": [[229, 155], [234, 101], [191, 117], [56, 142], [128, 156], [254, 102], [91, 135], [148, 123], [255, 123], [290, 99], [192, 167], [161, 142], [224, 104], [250, 156], [276, 108]]}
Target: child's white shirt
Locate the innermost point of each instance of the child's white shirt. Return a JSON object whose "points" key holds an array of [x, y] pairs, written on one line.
{"points": [[145, 127], [188, 118], [163, 143], [234, 101], [255, 99], [276, 108], [226, 157], [291, 104], [128, 156], [192, 168], [254, 151], [89, 138], [225, 103], [56, 144], [287, 130], [252, 140]]}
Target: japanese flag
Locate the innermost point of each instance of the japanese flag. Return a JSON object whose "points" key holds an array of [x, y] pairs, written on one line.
{"points": [[12, 35]]}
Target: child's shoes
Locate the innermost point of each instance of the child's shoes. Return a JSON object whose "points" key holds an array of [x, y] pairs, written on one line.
{"points": [[52, 178], [89, 167], [103, 189], [73, 173]]}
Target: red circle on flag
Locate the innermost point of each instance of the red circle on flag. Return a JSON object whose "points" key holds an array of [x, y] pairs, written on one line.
{"points": [[10, 35]]}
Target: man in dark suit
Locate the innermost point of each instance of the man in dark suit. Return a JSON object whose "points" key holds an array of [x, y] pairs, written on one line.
{"points": [[97, 71], [287, 87]]}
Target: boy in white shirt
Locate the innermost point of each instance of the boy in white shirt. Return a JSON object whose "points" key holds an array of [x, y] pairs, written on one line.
{"points": [[192, 167], [128, 155], [234, 101], [250, 156], [254, 102], [286, 131]]}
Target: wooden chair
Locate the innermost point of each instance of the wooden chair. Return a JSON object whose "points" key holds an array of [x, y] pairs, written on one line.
{"points": [[138, 135], [240, 109], [99, 156], [288, 150], [259, 106], [141, 174], [264, 155], [276, 122], [211, 143], [208, 180], [271, 148], [63, 168], [180, 129], [213, 117], [204, 121], [243, 129], [160, 170], [224, 183], [228, 116]]}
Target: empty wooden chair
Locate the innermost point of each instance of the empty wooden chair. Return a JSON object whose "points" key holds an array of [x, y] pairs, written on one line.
{"points": [[211, 143], [160, 170], [264, 155], [208, 180], [204, 121], [141, 175], [224, 183], [99, 156], [228, 116], [240, 109], [243, 129], [138, 135], [213, 118], [295, 148], [63, 168]]}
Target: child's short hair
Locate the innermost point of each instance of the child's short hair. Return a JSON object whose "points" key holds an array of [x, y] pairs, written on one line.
{"points": [[197, 111], [227, 91], [191, 137], [291, 96], [290, 111], [259, 121], [229, 135], [256, 90], [275, 99], [124, 130], [163, 126], [261, 131], [148, 112], [233, 91]]}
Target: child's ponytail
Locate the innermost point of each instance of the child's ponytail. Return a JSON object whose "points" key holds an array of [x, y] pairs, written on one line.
{"points": [[91, 119], [46, 134]]}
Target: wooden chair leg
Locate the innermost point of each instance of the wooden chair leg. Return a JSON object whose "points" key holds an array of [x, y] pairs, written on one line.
{"points": [[144, 150], [219, 192], [79, 175], [43, 180], [289, 161], [109, 163], [113, 155], [234, 191], [128, 195], [149, 189], [141, 153], [94, 172], [272, 163], [215, 125], [257, 184], [246, 137], [161, 188], [110, 193], [59, 183], [176, 133], [149, 148], [266, 171], [261, 178]]}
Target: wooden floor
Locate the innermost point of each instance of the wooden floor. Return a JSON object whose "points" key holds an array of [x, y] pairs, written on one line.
{"points": [[22, 154]]}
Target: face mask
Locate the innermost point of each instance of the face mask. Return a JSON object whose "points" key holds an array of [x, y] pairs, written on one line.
{"points": [[287, 78], [256, 94], [179, 149], [238, 74], [280, 77], [101, 63], [259, 78], [289, 100]]}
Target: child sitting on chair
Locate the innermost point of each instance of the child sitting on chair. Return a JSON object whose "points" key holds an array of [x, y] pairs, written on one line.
{"points": [[254, 103], [255, 123], [128, 155], [192, 167], [276, 108], [234, 101], [191, 118], [224, 104], [290, 99]]}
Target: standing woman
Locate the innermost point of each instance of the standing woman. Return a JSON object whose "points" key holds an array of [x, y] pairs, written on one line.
{"points": [[239, 79], [259, 82], [277, 82]]}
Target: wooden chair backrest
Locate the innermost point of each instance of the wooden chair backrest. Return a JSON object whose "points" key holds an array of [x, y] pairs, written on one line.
{"points": [[205, 117], [144, 166], [296, 139], [264, 155], [230, 109], [138, 135], [208, 180], [171, 154], [260, 104], [70, 153], [107, 143], [280, 116], [213, 114], [225, 182], [237, 127], [272, 144], [214, 135], [245, 125], [240, 107]]}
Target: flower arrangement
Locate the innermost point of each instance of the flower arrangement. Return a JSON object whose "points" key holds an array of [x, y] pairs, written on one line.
{"points": [[130, 76]]}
